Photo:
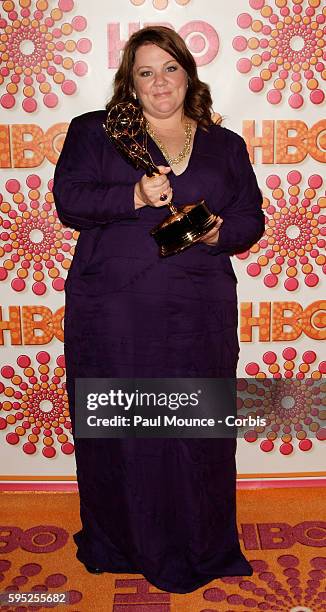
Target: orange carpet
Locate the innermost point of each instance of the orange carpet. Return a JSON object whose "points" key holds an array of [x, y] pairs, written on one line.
{"points": [[282, 531]]}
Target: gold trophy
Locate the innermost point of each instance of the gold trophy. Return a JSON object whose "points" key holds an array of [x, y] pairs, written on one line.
{"points": [[126, 127]]}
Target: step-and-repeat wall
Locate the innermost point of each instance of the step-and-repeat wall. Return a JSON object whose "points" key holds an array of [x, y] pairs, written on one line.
{"points": [[265, 63]]}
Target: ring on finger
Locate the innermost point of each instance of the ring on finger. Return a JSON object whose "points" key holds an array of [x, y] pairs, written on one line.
{"points": [[163, 197]]}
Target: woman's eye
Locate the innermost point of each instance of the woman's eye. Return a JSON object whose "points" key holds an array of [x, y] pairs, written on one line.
{"points": [[146, 73]]}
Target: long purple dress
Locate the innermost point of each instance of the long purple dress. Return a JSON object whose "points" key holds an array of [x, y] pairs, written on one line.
{"points": [[164, 508]]}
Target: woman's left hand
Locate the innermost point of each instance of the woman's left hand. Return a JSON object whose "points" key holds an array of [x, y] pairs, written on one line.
{"points": [[212, 236]]}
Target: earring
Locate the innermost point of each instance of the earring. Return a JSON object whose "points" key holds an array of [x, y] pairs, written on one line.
{"points": [[134, 95]]}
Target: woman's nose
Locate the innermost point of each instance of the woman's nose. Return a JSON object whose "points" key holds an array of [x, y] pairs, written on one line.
{"points": [[160, 78]]}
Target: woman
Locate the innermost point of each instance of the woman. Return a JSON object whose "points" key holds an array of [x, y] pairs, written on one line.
{"points": [[165, 508]]}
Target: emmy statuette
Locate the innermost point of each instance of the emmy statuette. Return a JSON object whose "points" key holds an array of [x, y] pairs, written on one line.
{"points": [[126, 128]]}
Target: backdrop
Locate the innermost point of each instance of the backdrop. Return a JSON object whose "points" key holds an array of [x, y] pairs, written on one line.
{"points": [[265, 64]]}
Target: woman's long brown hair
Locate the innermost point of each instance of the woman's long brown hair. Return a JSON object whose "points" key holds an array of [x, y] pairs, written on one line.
{"points": [[198, 100]]}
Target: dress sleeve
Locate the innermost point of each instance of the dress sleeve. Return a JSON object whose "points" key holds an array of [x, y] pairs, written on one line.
{"points": [[243, 217], [82, 200]]}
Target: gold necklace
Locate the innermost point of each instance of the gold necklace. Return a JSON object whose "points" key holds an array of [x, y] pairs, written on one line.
{"points": [[186, 146]]}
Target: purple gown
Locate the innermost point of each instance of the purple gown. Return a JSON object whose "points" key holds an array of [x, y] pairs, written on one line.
{"points": [[164, 508]]}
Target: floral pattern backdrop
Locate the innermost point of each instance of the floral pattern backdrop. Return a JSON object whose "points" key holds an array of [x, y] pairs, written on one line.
{"points": [[265, 63]]}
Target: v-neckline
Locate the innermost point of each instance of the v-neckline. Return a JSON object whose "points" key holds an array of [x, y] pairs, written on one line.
{"points": [[194, 142]]}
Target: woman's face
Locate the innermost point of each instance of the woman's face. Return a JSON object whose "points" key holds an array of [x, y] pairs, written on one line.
{"points": [[159, 81]]}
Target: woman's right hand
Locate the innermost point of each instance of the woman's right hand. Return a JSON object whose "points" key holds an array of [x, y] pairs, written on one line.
{"points": [[149, 189]]}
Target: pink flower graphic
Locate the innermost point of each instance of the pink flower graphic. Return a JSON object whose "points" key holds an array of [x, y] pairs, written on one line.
{"points": [[159, 4], [294, 236], [289, 586], [36, 404], [286, 44], [33, 242], [289, 396], [36, 46]]}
